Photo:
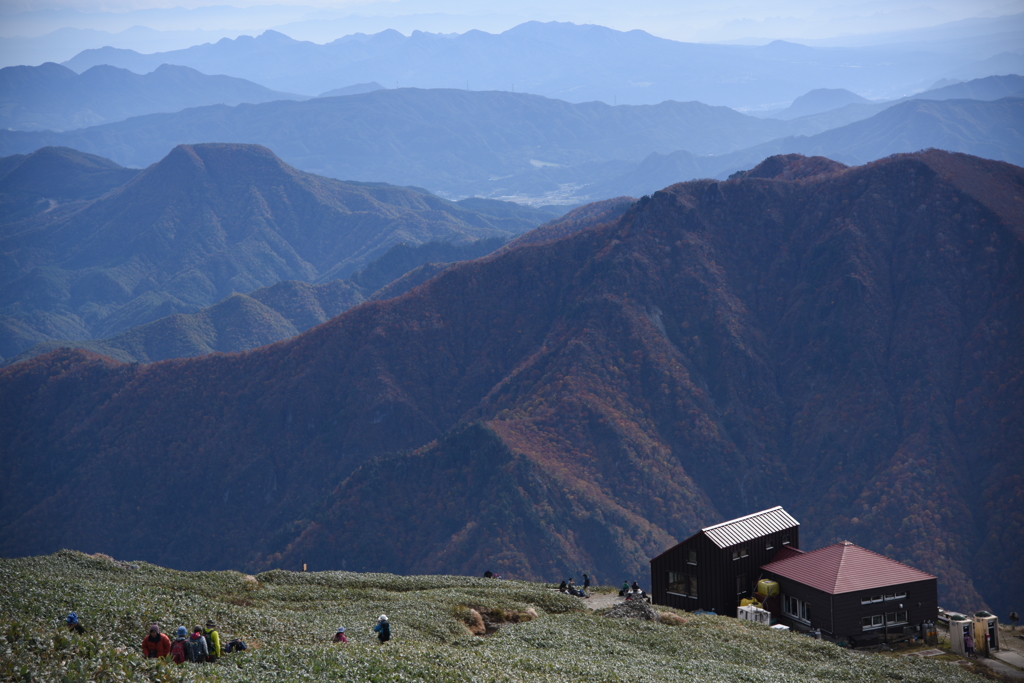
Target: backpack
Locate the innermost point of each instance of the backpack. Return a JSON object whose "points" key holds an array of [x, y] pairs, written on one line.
{"points": [[236, 646], [178, 653], [385, 632], [195, 650], [207, 633]]}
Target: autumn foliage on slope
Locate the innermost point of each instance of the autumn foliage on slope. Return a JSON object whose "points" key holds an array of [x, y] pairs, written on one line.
{"points": [[845, 342]]}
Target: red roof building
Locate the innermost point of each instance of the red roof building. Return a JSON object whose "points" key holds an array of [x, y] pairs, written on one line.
{"points": [[852, 593]]}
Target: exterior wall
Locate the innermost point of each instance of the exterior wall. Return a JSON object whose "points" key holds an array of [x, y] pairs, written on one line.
{"points": [[840, 616], [819, 601], [921, 604], [716, 571]]}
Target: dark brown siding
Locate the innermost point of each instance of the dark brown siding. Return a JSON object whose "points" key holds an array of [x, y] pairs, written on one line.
{"points": [[715, 570], [921, 604], [840, 615]]}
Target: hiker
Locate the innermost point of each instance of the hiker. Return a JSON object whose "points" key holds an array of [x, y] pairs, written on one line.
{"points": [[488, 574], [563, 587], [636, 586], [197, 650], [179, 648], [235, 645], [383, 629], [339, 637], [212, 641], [625, 589], [969, 645], [156, 644], [73, 624], [586, 583]]}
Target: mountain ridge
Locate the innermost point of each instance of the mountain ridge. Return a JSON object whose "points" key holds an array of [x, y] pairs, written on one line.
{"points": [[838, 342]]}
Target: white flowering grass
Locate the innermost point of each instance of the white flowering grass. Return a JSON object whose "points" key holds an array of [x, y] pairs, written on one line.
{"points": [[289, 618]]}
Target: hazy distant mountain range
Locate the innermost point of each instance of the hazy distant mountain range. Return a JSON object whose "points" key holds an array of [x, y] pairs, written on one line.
{"points": [[206, 222], [839, 340], [53, 97], [502, 144], [576, 63]]}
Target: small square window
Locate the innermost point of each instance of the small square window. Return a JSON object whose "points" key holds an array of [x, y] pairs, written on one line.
{"points": [[691, 557], [785, 539]]}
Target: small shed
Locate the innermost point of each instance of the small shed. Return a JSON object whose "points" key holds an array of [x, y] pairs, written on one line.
{"points": [[853, 594], [720, 564]]}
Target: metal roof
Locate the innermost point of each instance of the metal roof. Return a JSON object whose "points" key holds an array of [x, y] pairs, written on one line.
{"points": [[845, 568], [750, 527]]}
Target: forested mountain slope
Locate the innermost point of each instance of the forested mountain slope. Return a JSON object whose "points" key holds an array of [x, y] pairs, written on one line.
{"points": [[843, 341], [205, 222]]}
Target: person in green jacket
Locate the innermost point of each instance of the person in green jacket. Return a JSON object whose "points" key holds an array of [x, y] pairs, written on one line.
{"points": [[212, 640]]}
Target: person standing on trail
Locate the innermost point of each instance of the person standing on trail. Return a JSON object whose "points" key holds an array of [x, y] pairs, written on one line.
{"points": [[179, 648], [383, 629], [212, 641], [586, 583], [197, 650], [969, 645], [156, 645]]}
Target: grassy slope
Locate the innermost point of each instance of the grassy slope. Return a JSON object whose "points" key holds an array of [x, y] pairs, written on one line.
{"points": [[289, 618]]}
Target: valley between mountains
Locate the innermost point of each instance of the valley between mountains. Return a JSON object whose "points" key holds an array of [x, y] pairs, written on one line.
{"points": [[846, 342]]}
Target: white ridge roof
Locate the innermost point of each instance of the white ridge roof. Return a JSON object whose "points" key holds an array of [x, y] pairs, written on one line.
{"points": [[750, 527]]}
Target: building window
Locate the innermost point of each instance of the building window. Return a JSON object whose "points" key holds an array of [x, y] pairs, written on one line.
{"points": [[785, 539], [741, 584], [879, 621], [895, 596], [737, 553], [868, 623], [682, 584], [867, 600], [691, 557], [769, 544], [796, 608]]}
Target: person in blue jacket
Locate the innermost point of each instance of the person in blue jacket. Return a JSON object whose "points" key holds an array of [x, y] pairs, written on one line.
{"points": [[383, 629]]}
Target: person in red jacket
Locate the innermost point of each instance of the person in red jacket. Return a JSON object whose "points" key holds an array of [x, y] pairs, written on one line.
{"points": [[156, 644]]}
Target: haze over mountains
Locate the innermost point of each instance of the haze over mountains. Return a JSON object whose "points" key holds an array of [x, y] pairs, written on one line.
{"points": [[502, 144], [838, 339], [206, 222], [576, 63], [52, 97]]}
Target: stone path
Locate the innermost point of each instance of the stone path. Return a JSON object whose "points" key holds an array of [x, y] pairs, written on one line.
{"points": [[1003, 669], [599, 600], [1010, 657]]}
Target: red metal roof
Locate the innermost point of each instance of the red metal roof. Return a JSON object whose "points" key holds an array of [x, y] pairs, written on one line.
{"points": [[786, 551], [844, 568]]}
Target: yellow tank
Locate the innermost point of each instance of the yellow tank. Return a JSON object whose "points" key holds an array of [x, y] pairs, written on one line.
{"points": [[750, 601], [768, 588]]}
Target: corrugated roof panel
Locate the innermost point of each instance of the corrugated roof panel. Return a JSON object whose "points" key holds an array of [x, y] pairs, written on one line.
{"points": [[845, 568], [750, 527]]}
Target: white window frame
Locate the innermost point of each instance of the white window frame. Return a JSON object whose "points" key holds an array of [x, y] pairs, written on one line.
{"points": [[803, 609]]}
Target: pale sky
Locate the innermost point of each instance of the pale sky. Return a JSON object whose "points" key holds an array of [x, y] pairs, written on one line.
{"points": [[703, 20]]}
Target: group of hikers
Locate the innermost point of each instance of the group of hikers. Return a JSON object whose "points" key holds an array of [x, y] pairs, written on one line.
{"points": [[632, 592], [198, 645], [571, 588], [382, 628]]}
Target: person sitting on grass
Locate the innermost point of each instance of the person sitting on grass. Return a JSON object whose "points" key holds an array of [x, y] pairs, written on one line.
{"points": [[74, 625], [339, 637], [383, 629]]}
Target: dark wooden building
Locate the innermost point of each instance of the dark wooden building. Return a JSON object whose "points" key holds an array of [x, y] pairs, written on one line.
{"points": [[852, 594], [719, 565]]}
